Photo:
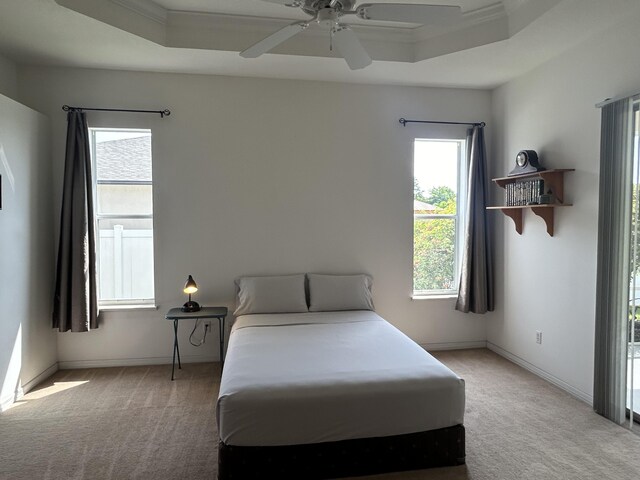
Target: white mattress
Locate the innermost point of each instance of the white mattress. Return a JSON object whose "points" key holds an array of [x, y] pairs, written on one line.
{"points": [[303, 378]]}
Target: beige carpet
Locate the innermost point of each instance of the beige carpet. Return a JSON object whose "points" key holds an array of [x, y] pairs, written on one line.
{"points": [[121, 423], [114, 423]]}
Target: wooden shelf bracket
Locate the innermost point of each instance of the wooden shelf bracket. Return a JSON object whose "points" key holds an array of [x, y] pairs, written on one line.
{"points": [[547, 215], [516, 215]]}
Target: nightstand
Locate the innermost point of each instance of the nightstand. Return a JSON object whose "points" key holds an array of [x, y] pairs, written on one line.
{"points": [[176, 314]]}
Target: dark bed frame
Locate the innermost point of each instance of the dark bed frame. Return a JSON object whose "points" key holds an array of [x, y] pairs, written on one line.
{"points": [[346, 458]]}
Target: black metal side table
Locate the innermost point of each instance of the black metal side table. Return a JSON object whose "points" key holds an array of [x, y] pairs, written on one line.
{"points": [[176, 314]]}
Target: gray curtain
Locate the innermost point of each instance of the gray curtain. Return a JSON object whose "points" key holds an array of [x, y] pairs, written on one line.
{"points": [[75, 304], [475, 293], [613, 266]]}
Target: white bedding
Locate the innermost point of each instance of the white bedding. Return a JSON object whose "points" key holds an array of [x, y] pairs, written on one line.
{"points": [[303, 378]]}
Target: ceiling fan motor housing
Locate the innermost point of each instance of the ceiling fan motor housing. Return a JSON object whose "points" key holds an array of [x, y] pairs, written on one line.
{"points": [[317, 6], [327, 17]]}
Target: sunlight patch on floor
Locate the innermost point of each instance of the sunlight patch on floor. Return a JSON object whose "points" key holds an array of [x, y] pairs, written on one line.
{"points": [[43, 392], [57, 387]]}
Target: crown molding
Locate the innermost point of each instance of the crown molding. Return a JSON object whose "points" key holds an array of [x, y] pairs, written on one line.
{"points": [[234, 33], [485, 14], [256, 26], [146, 8], [472, 18], [252, 24]]}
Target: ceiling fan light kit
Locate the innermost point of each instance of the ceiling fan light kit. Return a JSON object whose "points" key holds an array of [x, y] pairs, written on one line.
{"points": [[328, 14]]}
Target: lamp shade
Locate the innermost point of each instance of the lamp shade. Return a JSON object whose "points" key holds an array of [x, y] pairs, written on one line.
{"points": [[190, 286]]}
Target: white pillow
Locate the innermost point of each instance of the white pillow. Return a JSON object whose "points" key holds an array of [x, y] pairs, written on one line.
{"points": [[277, 294], [328, 293]]}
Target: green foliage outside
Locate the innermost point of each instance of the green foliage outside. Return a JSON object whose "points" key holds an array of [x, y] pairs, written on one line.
{"points": [[634, 317], [418, 194], [442, 197], [635, 266], [434, 242]]}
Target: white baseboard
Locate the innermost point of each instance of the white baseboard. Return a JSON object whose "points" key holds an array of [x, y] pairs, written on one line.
{"points": [[43, 376], [579, 394], [133, 362], [432, 347], [25, 387]]}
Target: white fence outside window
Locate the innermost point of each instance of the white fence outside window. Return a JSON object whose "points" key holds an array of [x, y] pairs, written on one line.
{"points": [[126, 263]]}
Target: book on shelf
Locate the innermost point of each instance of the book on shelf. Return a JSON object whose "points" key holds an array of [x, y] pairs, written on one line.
{"points": [[524, 192]]}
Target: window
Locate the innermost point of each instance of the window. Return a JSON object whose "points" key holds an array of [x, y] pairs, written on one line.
{"points": [[124, 216], [438, 188]]}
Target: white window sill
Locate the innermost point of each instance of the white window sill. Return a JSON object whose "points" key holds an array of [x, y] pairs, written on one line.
{"points": [[121, 308], [439, 296]]}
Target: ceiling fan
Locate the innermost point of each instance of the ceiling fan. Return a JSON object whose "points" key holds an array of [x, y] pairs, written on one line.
{"points": [[328, 13]]}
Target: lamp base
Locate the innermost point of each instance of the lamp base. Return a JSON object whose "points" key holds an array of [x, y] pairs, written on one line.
{"points": [[190, 306]]}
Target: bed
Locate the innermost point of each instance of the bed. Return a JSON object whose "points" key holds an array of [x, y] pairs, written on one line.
{"points": [[325, 394]]}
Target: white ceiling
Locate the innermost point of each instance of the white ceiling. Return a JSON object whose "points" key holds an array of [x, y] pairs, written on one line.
{"points": [[262, 8], [497, 41]]}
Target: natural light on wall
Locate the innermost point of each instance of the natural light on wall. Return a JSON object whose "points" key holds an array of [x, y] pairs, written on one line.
{"points": [[437, 187], [12, 383]]}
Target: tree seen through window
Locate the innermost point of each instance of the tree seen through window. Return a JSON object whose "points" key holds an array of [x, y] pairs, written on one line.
{"points": [[436, 211]]}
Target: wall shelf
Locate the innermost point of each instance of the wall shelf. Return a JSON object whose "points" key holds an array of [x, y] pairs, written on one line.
{"points": [[554, 181]]}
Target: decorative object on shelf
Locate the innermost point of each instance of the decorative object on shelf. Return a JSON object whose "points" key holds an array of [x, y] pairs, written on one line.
{"points": [[546, 198], [189, 288], [526, 162]]}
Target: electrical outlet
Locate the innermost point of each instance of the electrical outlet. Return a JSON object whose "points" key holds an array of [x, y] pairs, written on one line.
{"points": [[539, 337]]}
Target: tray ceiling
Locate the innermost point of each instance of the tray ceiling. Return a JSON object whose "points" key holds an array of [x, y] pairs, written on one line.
{"points": [[496, 41]]}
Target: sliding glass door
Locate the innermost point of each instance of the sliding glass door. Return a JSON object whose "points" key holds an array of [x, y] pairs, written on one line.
{"points": [[633, 325]]}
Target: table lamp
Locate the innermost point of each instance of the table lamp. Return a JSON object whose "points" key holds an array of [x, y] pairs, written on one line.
{"points": [[189, 288]]}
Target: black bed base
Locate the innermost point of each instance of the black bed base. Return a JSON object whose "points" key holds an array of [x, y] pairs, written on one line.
{"points": [[367, 456]]}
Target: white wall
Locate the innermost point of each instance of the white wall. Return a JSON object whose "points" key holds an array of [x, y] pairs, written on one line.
{"points": [[257, 176], [8, 78], [28, 347], [549, 283]]}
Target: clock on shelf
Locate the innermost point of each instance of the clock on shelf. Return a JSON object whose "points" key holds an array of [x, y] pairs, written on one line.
{"points": [[526, 162]]}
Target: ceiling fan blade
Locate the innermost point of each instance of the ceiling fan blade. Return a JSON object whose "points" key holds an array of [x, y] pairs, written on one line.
{"points": [[350, 48], [410, 13], [283, 2], [273, 40]]}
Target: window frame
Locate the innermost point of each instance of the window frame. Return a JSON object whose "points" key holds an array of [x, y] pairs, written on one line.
{"points": [[458, 217], [118, 304]]}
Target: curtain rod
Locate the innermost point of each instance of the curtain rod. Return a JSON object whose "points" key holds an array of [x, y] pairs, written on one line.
{"points": [[404, 122], [607, 101], [162, 113]]}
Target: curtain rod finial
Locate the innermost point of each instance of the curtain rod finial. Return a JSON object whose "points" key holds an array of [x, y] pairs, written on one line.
{"points": [[403, 122], [67, 108]]}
